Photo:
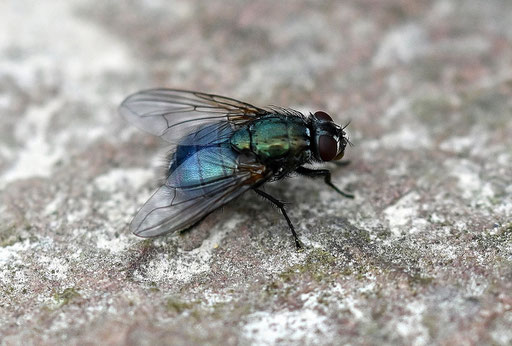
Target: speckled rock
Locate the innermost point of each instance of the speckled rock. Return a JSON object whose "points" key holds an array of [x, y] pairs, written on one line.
{"points": [[422, 255]]}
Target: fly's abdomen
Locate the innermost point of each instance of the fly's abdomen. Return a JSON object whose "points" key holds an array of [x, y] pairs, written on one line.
{"points": [[202, 166], [272, 137], [202, 157]]}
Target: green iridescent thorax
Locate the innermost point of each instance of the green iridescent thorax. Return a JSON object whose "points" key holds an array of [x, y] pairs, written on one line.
{"points": [[273, 137]]}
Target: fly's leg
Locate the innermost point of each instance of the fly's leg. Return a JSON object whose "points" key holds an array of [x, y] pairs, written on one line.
{"points": [[280, 205], [327, 178]]}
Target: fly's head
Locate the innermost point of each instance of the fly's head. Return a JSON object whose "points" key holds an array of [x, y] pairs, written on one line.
{"points": [[329, 139]]}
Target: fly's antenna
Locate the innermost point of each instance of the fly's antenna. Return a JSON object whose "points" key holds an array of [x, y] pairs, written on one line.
{"points": [[346, 138]]}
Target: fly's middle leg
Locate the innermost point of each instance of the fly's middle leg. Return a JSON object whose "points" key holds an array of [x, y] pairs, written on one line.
{"points": [[280, 205], [327, 178]]}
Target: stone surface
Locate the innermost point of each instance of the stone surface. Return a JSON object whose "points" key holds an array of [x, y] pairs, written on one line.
{"points": [[422, 255]]}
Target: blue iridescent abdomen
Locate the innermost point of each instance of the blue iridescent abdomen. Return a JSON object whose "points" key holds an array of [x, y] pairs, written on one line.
{"points": [[203, 165], [195, 164]]}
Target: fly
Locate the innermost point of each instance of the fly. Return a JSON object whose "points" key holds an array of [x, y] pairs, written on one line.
{"points": [[222, 148]]}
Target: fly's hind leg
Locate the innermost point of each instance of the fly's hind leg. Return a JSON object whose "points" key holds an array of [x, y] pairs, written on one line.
{"points": [[280, 205], [327, 178]]}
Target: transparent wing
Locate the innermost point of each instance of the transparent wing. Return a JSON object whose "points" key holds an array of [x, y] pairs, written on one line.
{"points": [[171, 114], [205, 181]]}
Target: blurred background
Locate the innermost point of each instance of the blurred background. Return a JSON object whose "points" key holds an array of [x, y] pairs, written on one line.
{"points": [[422, 255]]}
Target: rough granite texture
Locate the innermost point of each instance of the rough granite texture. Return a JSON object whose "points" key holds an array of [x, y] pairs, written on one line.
{"points": [[422, 255]]}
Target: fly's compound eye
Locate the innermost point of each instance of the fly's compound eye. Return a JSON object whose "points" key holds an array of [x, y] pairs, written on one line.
{"points": [[327, 147], [323, 116]]}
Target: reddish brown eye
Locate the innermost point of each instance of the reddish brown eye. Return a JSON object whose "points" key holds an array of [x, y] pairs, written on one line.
{"points": [[323, 116], [327, 148]]}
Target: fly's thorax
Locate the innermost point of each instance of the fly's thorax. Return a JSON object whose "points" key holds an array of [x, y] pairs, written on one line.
{"points": [[241, 140], [273, 137]]}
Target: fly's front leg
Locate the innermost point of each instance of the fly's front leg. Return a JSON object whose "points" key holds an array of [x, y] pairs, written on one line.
{"points": [[280, 205], [322, 173]]}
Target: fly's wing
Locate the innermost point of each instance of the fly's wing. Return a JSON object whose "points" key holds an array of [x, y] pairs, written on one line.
{"points": [[206, 180], [171, 114]]}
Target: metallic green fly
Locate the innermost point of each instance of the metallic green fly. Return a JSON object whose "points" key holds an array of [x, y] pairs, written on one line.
{"points": [[224, 147]]}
